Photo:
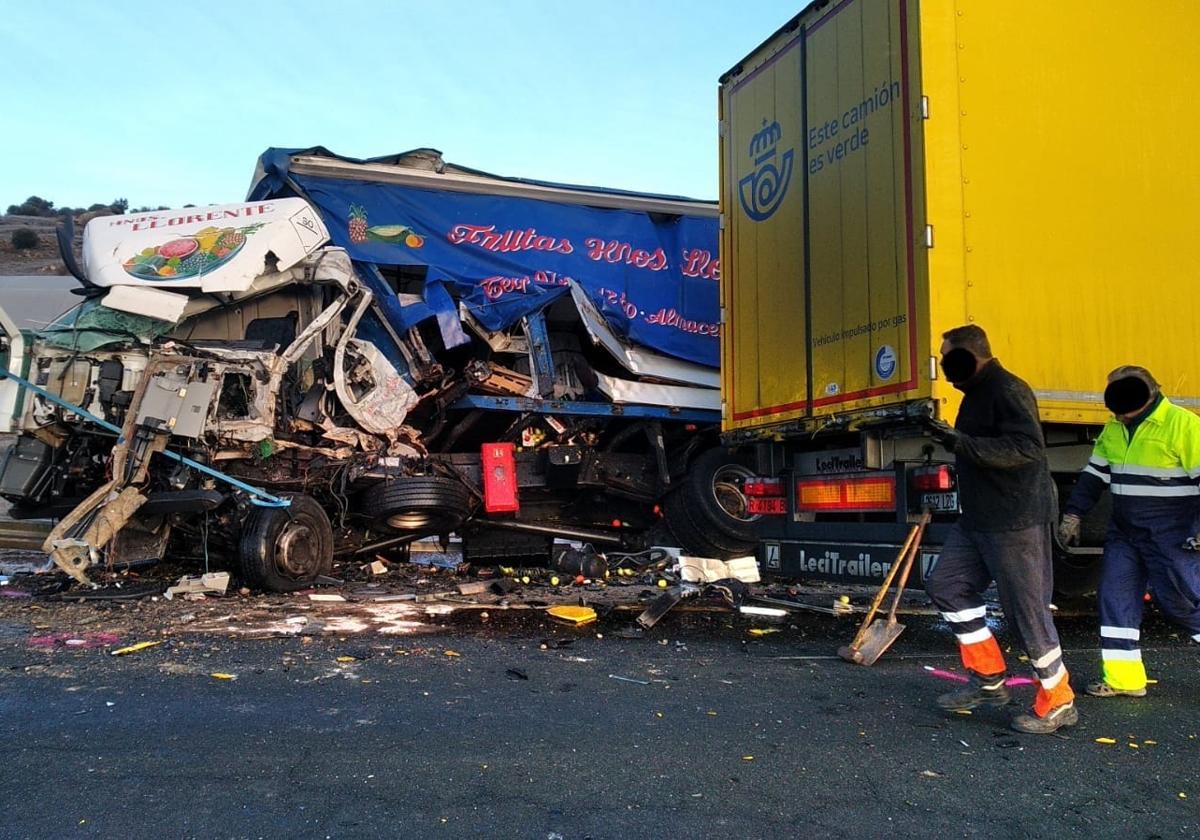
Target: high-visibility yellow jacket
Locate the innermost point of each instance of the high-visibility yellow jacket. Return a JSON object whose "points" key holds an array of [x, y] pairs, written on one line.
{"points": [[1153, 472]]}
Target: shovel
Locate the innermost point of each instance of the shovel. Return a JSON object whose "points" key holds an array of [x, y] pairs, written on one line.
{"points": [[874, 638]]}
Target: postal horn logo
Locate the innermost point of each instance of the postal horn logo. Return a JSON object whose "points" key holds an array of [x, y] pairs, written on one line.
{"points": [[762, 191]]}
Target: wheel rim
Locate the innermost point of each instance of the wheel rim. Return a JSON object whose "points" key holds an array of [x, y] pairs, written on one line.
{"points": [[728, 491], [422, 520], [297, 550], [409, 520]]}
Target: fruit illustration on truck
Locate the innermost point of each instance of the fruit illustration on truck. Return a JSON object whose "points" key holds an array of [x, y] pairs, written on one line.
{"points": [[188, 256], [394, 234]]}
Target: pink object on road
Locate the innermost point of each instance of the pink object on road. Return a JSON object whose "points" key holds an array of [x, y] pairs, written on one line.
{"points": [[962, 678]]}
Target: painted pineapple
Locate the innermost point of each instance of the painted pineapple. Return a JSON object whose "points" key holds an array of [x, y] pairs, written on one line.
{"points": [[358, 224], [229, 240]]}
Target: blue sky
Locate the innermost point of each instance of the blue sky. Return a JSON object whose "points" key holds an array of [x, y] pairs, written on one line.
{"points": [[171, 103]]}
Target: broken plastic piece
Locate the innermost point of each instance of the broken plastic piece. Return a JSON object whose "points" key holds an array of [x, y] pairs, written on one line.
{"points": [[707, 570], [772, 612], [573, 615], [628, 679], [134, 648], [216, 582]]}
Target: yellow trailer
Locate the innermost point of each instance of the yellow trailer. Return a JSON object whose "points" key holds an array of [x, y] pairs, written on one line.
{"points": [[894, 168]]}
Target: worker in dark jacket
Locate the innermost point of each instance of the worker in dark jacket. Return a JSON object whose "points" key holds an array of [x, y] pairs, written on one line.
{"points": [[1148, 456], [1004, 534]]}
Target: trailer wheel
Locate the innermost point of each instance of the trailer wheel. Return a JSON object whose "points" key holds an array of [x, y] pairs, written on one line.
{"points": [[1077, 573], [712, 495], [696, 539], [286, 549], [430, 504], [696, 512]]}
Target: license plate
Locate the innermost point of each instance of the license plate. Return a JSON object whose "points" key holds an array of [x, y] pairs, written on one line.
{"points": [[767, 506], [940, 501]]}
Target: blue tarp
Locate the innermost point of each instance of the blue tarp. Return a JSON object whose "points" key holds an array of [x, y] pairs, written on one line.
{"points": [[652, 276]]}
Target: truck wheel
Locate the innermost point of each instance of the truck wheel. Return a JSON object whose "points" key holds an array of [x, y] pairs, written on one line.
{"points": [[713, 492], [286, 549], [1075, 574], [430, 504], [698, 535], [710, 504]]}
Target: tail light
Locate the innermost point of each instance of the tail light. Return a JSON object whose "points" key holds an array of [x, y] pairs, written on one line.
{"points": [[937, 479], [764, 487], [765, 496], [847, 494]]}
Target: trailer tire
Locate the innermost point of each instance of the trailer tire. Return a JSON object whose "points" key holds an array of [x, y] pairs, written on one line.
{"points": [[428, 504], [286, 549], [1074, 575], [698, 536], [711, 493], [1077, 574]]}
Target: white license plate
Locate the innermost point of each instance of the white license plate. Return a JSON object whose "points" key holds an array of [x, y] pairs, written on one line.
{"points": [[940, 501]]}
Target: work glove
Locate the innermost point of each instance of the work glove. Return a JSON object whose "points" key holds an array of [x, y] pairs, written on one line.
{"points": [[944, 433], [1068, 529]]}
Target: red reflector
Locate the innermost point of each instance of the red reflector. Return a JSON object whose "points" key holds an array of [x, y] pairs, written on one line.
{"points": [[850, 495], [766, 507], [933, 479], [764, 487], [499, 478]]}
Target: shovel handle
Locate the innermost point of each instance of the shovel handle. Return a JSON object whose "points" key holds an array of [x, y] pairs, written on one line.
{"points": [[914, 549], [887, 583]]}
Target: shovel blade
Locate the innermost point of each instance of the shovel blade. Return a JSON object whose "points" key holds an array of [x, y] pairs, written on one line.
{"points": [[879, 638]]}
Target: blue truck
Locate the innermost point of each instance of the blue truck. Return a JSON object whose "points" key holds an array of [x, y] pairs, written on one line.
{"points": [[365, 352]]}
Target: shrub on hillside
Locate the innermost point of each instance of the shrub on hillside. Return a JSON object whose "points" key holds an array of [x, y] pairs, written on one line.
{"points": [[23, 239]]}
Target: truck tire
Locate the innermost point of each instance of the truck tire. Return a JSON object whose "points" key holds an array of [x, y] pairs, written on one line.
{"points": [[1077, 574], [698, 535], [286, 549], [428, 504], [708, 511]]}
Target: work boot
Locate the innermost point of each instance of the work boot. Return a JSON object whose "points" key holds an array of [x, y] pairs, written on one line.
{"points": [[1055, 719], [980, 691], [1103, 689]]}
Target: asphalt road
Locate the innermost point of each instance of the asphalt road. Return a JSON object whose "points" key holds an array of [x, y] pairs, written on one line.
{"points": [[725, 734]]}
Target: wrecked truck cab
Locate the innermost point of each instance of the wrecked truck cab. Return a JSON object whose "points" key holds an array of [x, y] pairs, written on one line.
{"points": [[280, 381]]}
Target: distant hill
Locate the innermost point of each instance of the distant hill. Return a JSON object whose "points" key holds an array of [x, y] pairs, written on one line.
{"points": [[43, 259]]}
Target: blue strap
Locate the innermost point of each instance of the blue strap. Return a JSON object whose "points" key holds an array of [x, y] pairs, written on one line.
{"points": [[258, 497]]}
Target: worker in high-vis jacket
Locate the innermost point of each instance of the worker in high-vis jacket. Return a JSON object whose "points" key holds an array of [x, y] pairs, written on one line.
{"points": [[1148, 457], [1005, 534]]}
